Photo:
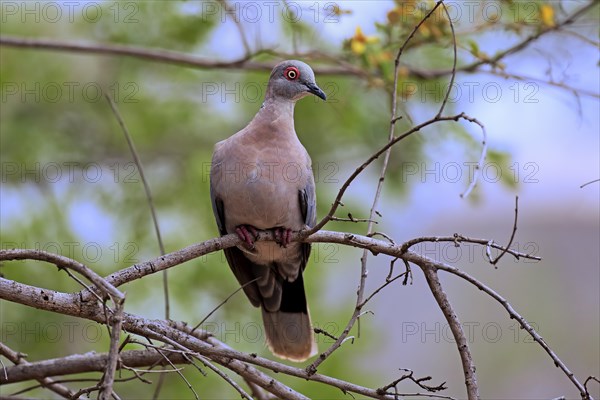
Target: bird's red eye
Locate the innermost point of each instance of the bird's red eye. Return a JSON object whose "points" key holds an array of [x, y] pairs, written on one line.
{"points": [[291, 73]]}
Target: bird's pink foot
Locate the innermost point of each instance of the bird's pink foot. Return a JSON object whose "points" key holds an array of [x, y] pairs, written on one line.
{"points": [[283, 236], [247, 234]]}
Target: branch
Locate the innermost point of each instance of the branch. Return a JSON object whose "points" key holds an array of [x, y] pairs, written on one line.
{"points": [[118, 298], [513, 314], [79, 363], [463, 239], [44, 380], [160, 55], [64, 263], [512, 235], [493, 61], [461, 341], [77, 305], [338, 199]]}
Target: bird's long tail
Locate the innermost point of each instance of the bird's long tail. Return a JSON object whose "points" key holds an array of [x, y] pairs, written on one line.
{"points": [[289, 332]]}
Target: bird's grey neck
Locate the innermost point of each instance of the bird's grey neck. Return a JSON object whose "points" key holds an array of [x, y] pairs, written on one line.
{"points": [[277, 109]]}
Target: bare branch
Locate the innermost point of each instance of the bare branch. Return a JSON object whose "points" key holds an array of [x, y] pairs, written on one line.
{"points": [[74, 304], [493, 61], [454, 61], [418, 381], [19, 360], [511, 312], [78, 363], [160, 55], [338, 199], [456, 328], [63, 262], [108, 379], [463, 239]]}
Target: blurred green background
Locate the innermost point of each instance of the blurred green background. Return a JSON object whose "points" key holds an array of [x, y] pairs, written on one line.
{"points": [[69, 184]]}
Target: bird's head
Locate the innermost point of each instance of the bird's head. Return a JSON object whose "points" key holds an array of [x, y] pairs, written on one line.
{"points": [[292, 80]]}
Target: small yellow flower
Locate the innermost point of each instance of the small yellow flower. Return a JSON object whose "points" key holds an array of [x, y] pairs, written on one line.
{"points": [[357, 47], [547, 15], [358, 43]]}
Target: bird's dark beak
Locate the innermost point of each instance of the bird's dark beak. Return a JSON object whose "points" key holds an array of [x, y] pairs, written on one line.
{"points": [[314, 89]]}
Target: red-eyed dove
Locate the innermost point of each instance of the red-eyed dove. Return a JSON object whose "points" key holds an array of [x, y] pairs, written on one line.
{"points": [[261, 179]]}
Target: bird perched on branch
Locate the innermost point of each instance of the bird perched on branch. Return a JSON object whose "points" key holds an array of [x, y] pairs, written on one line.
{"points": [[261, 179]]}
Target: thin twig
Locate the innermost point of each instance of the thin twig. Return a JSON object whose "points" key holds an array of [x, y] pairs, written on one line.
{"points": [[454, 60], [175, 369], [147, 191], [456, 239], [338, 200], [493, 61], [324, 332], [226, 378], [589, 183], [512, 235], [352, 219], [418, 381], [479, 165], [199, 324]]}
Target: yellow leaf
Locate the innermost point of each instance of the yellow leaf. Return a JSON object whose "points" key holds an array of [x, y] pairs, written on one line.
{"points": [[547, 15]]}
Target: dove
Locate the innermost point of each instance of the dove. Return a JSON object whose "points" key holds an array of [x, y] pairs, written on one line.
{"points": [[261, 179]]}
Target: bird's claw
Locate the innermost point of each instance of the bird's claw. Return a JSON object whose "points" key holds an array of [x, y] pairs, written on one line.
{"points": [[283, 236], [247, 234]]}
